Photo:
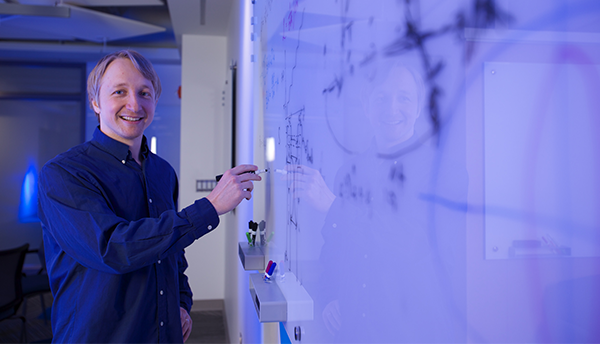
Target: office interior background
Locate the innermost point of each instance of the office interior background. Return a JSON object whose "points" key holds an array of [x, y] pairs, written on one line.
{"points": [[509, 114]]}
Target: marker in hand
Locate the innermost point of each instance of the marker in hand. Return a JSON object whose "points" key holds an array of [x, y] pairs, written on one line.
{"points": [[253, 172], [235, 185]]}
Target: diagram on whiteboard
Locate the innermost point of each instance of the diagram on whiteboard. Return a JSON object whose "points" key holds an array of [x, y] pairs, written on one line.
{"points": [[352, 99]]}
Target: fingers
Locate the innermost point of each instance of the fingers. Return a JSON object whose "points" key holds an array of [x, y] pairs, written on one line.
{"points": [[186, 323], [336, 317], [332, 317], [240, 177], [294, 168], [235, 185], [187, 330], [243, 168], [244, 177], [301, 169], [247, 185]]}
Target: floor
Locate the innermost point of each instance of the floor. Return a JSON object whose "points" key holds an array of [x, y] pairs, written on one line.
{"points": [[208, 326]]}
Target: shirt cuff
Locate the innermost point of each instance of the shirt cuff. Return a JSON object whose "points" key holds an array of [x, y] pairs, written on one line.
{"points": [[185, 303], [203, 215]]}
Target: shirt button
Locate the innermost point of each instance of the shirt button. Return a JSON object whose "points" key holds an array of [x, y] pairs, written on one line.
{"points": [[150, 200], [159, 261], [123, 161], [161, 292], [162, 323], [209, 227]]}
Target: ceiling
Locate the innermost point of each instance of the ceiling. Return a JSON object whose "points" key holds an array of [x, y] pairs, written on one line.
{"points": [[85, 30]]}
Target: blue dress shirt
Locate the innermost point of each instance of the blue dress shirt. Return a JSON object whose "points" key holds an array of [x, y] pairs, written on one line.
{"points": [[114, 244]]}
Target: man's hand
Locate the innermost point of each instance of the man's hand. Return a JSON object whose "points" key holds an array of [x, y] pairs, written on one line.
{"points": [[186, 323], [307, 183], [234, 186], [332, 317]]}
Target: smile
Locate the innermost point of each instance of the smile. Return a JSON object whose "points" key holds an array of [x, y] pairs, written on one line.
{"points": [[131, 119]]}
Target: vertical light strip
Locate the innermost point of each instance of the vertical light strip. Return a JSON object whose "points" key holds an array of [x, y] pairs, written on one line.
{"points": [[153, 144], [202, 12], [270, 149]]}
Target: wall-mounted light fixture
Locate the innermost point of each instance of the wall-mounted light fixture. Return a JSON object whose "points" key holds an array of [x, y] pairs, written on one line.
{"points": [[28, 207]]}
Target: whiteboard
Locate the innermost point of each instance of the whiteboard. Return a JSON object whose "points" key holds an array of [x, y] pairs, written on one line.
{"points": [[366, 170], [541, 160]]}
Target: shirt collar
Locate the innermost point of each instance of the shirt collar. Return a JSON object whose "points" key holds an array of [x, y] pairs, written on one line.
{"points": [[116, 148], [144, 150]]}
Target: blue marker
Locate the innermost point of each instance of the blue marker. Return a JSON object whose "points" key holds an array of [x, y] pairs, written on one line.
{"points": [[272, 269], [268, 266]]}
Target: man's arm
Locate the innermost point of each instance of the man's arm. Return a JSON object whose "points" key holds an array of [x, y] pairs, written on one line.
{"points": [[76, 213]]}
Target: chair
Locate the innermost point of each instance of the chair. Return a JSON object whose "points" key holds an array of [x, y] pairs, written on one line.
{"points": [[36, 284], [11, 294]]}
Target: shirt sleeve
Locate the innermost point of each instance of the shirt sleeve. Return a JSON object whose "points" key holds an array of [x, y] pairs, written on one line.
{"points": [[77, 215], [185, 292]]}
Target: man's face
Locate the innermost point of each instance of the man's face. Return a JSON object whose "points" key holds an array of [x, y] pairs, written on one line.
{"points": [[393, 108], [125, 103]]}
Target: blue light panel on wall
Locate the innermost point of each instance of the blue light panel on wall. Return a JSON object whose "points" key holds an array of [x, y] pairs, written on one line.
{"points": [[29, 197]]}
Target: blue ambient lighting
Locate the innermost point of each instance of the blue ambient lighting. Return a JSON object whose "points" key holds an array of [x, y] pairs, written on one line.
{"points": [[29, 197]]}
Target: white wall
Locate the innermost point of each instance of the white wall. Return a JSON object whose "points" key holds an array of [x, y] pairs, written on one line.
{"points": [[205, 137]]}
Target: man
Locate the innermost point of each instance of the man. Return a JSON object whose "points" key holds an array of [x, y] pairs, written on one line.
{"points": [[113, 237]]}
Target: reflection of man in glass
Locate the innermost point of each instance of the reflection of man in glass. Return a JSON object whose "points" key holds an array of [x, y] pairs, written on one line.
{"points": [[383, 275], [393, 106]]}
